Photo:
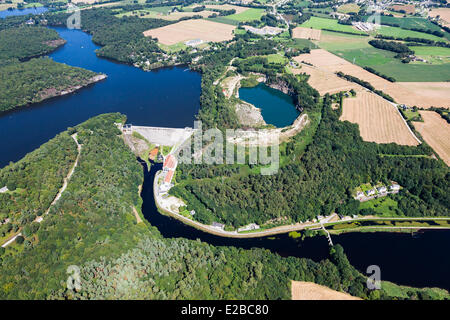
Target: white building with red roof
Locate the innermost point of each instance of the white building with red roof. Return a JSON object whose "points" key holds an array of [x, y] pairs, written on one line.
{"points": [[169, 167]]}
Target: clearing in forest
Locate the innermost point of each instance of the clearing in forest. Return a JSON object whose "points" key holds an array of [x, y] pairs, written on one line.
{"points": [[379, 121], [436, 132], [301, 290], [191, 30]]}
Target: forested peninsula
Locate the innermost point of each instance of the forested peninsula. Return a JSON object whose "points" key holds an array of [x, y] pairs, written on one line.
{"points": [[25, 79]]}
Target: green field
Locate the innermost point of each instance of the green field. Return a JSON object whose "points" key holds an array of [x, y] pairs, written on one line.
{"points": [[324, 23], [356, 49], [402, 33], [277, 58], [383, 206], [408, 23], [224, 20], [434, 55], [247, 15]]}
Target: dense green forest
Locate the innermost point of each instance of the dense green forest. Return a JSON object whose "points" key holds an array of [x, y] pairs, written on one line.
{"points": [[25, 80], [33, 183], [32, 81], [92, 226], [27, 41], [121, 39], [321, 180]]}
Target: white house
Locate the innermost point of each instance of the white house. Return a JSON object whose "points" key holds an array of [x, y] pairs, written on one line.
{"points": [[394, 187], [382, 189], [371, 192]]}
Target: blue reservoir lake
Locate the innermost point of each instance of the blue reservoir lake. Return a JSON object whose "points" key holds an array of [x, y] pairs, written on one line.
{"points": [[276, 107], [22, 12], [166, 97], [170, 97]]}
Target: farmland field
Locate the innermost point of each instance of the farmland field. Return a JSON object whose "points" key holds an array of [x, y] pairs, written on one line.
{"points": [[238, 9], [408, 8], [247, 15], [349, 7], [306, 33], [192, 29], [435, 55], [146, 13], [402, 33], [326, 61], [408, 23], [357, 49], [325, 81], [435, 131], [378, 120], [444, 13], [324, 23]]}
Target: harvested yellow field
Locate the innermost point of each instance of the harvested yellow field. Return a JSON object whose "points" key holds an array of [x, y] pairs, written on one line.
{"points": [[408, 8], [436, 132], [301, 290], [378, 120], [324, 81], [329, 62], [191, 30], [444, 14], [306, 33], [178, 15], [434, 90]]}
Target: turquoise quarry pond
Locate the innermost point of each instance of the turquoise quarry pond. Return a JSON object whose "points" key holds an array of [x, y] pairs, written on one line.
{"points": [[170, 97], [276, 107]]}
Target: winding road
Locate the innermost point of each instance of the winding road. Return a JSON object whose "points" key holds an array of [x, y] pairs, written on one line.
{"points": [[58, 195]]}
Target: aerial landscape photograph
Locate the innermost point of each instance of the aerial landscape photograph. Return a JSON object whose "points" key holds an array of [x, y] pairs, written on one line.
{"points": [[202, 152]]}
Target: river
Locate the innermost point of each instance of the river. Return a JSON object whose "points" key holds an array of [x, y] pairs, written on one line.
{"points": [[170, 97]]}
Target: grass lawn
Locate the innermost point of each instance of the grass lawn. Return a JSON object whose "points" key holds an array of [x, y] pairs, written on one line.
{"points": [[324, 23], [383, 206], [172, 48], [247, 15], [277, 58]]}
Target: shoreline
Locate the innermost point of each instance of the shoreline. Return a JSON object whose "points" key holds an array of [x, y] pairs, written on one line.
{"points": [[72, 89], [296, 227]]}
